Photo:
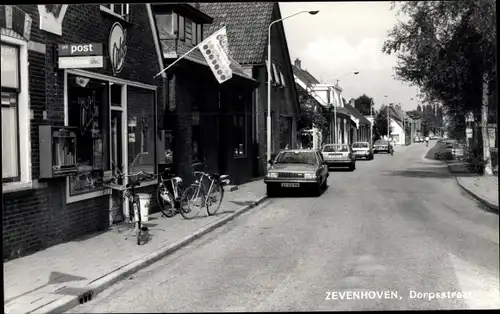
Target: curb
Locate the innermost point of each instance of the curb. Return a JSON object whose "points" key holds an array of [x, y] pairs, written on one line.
{"points": [[477, 197], [68, 302], [474, 195]]}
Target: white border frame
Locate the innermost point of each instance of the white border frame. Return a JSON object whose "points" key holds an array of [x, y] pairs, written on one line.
{"points": [[25, 182], [109, 79]]}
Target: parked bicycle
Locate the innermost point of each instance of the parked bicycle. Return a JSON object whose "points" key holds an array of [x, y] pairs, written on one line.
{"points": [[168, 193], [130, 194], [196, 196]]}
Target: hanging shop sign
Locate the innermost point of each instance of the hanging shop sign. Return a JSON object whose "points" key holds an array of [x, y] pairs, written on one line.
{"points": [[81, 56], [117, 46]]}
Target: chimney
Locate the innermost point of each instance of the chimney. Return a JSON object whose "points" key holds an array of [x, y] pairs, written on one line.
{"points": [[351, 102], [297, 63]]}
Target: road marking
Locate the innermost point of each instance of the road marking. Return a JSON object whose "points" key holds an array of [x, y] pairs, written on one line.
{"points": [[481, 287]]}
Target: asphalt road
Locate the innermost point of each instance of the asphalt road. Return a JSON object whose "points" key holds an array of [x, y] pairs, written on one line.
{"points": [[377, 239]]}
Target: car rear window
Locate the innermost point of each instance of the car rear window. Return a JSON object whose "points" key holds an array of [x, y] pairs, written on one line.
{"points": [[336, 148], [360, 145], [381, 143], [297, 158]]}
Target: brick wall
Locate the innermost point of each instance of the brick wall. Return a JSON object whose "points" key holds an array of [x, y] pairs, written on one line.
{"points": [[39, 218]]}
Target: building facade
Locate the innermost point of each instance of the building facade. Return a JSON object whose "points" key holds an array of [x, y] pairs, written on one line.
{"points": [[86, 105], [206, 124], [247, 25]]}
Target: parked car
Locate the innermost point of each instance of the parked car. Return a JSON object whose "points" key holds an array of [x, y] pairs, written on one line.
{"points": [[362, 150], [382, 146], [295, 169], [336, 155], [418, 139]]}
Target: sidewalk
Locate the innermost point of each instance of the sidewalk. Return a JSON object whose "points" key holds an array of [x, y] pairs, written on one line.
{"points": [[58, 278], [483, 188]]}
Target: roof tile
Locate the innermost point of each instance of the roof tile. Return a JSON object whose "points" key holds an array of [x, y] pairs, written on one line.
{"points": [[247, 24]]}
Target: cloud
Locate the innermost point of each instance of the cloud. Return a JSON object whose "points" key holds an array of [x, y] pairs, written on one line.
{"points": [[337, 53]]}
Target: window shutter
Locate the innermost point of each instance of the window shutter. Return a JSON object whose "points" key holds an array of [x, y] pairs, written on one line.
{"points": [[182, 33]]}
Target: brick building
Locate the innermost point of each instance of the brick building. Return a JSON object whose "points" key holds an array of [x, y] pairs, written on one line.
{"points": [[248, 24], [104, 91], [205, 123]]}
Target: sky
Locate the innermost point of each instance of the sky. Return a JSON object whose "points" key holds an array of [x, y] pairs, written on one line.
{"points": [[345, 37]]}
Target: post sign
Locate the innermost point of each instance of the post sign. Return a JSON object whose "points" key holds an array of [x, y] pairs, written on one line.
{"points": [[81, 56]]}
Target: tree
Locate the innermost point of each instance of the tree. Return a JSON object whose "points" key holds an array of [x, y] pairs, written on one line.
{"points": [[363, 104], [380, 123], [312, 113], [448, 49]]}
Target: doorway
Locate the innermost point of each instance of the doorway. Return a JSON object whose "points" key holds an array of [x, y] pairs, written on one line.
{"points": [[118, 148]]}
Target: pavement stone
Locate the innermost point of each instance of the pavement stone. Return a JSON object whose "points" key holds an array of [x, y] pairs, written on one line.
{"points": [[63, 272]]}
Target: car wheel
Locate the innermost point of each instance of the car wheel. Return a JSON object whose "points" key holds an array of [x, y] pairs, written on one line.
{"points": [[353, 166], [316, 189], [270, 191]]}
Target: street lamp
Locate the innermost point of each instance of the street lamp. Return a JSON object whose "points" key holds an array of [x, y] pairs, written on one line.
{"points": [[350, 73], [269, 61]]}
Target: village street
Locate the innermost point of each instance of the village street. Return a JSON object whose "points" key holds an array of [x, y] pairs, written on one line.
{"points": [[398, 226]]}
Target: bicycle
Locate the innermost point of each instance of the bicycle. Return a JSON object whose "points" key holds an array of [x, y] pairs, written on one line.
{"points": [[196, 197], [168, 193], [133, 198]]}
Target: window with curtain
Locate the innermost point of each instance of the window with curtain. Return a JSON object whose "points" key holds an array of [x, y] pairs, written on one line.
{"points": [[10, 113], [182, 33]]}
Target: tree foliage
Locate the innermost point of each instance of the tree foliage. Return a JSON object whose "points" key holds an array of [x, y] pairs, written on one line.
{"points": [[444, 48], [380, 123], [311, 112], [363, 104]]}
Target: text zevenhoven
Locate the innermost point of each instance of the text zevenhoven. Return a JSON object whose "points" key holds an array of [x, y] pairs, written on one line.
{"points": [[361, 295]]}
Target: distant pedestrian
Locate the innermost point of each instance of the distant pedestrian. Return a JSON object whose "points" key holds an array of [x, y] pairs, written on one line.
{"points": [[427, 141]]}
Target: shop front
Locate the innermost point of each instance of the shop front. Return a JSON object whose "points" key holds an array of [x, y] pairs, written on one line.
{"points": [[115, 122]]}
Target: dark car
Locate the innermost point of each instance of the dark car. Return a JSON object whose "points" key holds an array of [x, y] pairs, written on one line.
{"points": [[296, 169], [339, 155], [382, 146]]}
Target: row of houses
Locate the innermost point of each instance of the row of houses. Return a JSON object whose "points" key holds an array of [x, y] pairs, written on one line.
{"points": [[345, 123], [80, 100]]}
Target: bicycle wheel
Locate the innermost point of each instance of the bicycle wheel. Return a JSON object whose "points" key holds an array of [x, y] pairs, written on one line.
{"points": [[214, 200], [191, 202], [165, 200]]}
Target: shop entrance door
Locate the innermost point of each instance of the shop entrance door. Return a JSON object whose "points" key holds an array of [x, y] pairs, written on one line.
{"points": [[118, 150]]}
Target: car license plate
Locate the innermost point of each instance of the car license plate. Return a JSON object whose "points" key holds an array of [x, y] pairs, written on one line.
{"points": [[290, 185]]}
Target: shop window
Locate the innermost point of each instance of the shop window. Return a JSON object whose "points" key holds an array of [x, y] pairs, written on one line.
{"points": [[15, 118], [88, 110], [118, 9], [167, 25], [141, 134], [196, 136]]}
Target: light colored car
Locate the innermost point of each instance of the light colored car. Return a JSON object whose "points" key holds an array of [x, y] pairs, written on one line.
{"points": [[295, 169], [336, 155], [362, 150], [382, 146], [417, 140]]}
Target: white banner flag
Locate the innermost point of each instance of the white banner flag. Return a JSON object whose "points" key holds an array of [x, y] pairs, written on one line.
{"points": [[215, 50]]}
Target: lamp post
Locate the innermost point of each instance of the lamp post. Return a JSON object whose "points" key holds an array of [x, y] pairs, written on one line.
{"points": [[269, 61], [350, 73], [371, 125]]}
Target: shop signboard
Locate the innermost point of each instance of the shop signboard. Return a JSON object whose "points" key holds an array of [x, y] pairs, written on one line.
{"points": [[468, 132], [81, 56]]}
